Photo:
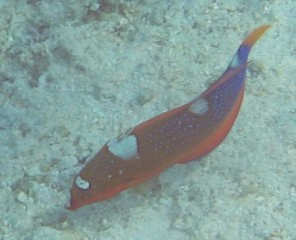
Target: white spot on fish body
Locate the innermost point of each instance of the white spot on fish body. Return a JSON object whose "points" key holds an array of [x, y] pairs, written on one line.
{"points": [[81, 183], [125, 147], [200, 106]]}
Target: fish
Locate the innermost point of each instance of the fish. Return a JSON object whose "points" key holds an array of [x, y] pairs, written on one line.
{"points": [[180, 135]]}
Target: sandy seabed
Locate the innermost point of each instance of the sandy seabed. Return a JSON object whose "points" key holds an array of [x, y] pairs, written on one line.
{"points": [[74, 74]]}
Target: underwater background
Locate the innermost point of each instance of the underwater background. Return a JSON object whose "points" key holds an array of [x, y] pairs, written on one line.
{"points": [[74, 74]]}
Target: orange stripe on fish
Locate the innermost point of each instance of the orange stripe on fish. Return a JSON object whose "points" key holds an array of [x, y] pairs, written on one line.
{"points": [[180, 135]]}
